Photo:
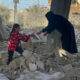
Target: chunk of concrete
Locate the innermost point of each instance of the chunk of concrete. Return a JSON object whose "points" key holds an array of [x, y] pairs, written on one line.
{"points": [[67, 67], [3, 57], [32, 67], [3, 77], [40, 65], [3, 54], [41, 76], [27, 53]]}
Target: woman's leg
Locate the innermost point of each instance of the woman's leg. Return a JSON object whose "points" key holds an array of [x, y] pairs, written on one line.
{"points": [[10, 56]]}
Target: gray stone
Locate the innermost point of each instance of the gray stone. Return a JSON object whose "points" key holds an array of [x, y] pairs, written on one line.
{"points": [[67, 67], [41, 76], [3, 54], [3, 77], [40, 65], [32, 67]]}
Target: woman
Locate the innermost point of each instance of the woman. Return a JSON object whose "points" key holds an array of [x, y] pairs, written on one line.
{"points": [[66, 29]]}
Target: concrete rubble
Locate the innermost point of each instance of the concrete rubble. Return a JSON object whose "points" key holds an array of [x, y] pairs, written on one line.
{"points": [[4, 31], [40, 76], [3, 77], [40, 63]]}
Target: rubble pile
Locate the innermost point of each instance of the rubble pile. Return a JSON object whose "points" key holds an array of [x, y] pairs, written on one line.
{"points": [[32, 66], [41, 76], [3, 45], [43, 62], [3, 52]]}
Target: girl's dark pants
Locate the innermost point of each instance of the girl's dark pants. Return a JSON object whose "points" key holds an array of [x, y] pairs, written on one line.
{"points": [[10, 54]]}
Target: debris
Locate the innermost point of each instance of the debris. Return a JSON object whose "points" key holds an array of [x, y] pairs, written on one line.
{"points": [[3, 77], [41, 76], [67, 67], [44, 63], [32, 67], [40, 65]]}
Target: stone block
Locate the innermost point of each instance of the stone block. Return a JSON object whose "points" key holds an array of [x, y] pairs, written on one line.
{"points": [[3, 77], [27, 53], [40, 65], [3, 54], [67, 67], [32, 67]]}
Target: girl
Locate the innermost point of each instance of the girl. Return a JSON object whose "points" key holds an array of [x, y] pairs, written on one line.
{"points": [[14, 42]]}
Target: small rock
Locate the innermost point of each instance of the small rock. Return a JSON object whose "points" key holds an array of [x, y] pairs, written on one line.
{"points": [[40, 65], [67, 67], [3, 77], [32, 67], [27, 53]]}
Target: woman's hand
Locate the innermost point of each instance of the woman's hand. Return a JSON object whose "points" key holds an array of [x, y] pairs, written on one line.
{"points": [[45, 34]]}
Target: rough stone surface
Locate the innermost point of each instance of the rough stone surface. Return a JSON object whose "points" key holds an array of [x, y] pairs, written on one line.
{"points": [[32, 67], [41, 76], [3, 77], [67, 67], [44, 58]]}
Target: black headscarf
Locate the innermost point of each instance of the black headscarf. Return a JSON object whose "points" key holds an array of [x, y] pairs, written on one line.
{"points": [[50, 15]]}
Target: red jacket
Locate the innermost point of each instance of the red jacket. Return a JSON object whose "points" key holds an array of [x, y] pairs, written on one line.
{"points": [[13, 42]]}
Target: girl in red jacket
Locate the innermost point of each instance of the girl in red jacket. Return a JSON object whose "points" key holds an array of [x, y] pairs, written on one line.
{"points": [[14, 42]]}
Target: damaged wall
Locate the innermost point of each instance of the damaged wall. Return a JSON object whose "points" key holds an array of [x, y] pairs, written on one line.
{"points": [[3, 33]]}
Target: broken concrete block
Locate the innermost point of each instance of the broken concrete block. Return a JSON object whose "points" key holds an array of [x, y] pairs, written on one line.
{"points": [[3, 77], [27, 53], [41, 76], [31, 58], [72, 74], [78, 54], [4, 61], [3, 54], [32, 67], [21, 77], [17, 63], [3, 57], [57, 76], [3, 33], [40, 65], [76, 64], [25, 71], [67, 67], [36, 56]]}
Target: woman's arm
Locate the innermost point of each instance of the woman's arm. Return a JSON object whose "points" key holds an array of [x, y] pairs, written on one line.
{"points": [[50, 28], [47, 29]]}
